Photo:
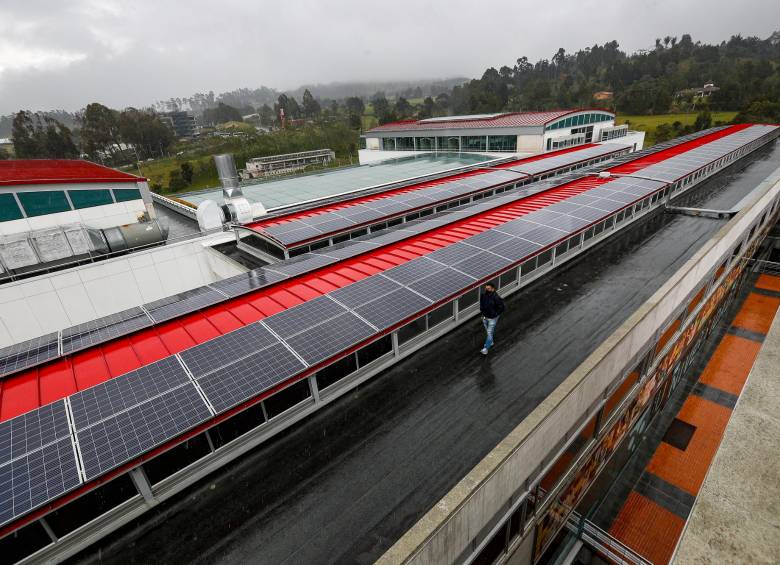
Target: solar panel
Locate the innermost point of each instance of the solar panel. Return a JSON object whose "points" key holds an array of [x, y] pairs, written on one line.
{"points": [[29, 353], [487, 239], [183, 303], [36, 478], [104, 329], [364, 290], [323, 341], [128, 434], [517, 227], [482, 265], [451, 254], [413, 270], [347, 251], [235, 383], [515, 249], [249, 281], [442, 284], [297, 318], [544, 235], [392, 308], [33, 430], [225, 349], [114, 395], [587, 213]]}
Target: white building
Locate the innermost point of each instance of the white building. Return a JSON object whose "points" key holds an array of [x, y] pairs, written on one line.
{"points": [[524, 133]]}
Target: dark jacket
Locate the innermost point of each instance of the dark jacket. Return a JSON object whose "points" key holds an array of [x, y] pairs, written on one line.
{"points": [[491, 304]]}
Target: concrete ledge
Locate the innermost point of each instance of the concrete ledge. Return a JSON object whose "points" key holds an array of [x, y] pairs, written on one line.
{"points": [[736, 517]]}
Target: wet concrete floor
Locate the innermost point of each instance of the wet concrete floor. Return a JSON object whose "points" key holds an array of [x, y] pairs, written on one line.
{"points": [[343, 485]]}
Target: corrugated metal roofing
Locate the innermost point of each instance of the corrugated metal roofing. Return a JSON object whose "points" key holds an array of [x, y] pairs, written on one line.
{"points": [[509, 120], [46, 383], [58, 171]]}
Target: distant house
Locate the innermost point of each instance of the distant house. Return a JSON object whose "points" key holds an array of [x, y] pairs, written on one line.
{"points": [[700, 93], [182, 123], [602, 95]]}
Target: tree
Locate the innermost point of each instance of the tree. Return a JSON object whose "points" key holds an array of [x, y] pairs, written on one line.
{"points": [[36, 136], [145, 132], [175, 181], [703, 120], [187, 172], [221, 114], [355, 106], [311, 108], [4, 154], [402, 108], [99, 129], [266, 115], [381, 108]]}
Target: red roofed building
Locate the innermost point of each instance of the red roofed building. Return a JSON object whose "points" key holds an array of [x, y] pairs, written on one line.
{"points": [[513, 132], [43, 193]]}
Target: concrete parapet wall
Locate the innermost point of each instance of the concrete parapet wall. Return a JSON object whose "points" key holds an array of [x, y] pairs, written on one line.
{"points": [[453, 528]]}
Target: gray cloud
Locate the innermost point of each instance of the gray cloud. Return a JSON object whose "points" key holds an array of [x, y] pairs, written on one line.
{"points": [[56, 54]]}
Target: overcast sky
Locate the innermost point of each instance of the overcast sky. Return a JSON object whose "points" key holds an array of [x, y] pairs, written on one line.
{"points": [[67, 53]]}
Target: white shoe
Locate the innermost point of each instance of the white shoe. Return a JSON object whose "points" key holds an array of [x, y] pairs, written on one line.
{"points": [[484, 351]]}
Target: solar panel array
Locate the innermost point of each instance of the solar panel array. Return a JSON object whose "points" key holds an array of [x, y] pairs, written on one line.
{"points": [[44, 348], [44, 453], [296, 231]]}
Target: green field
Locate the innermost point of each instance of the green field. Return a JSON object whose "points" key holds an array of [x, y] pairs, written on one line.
{"points": [[649, 123]]}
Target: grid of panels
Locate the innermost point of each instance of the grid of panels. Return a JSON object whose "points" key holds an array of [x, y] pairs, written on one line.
{"points": [[33, 430], [104, 322], [77, 341], [36, 478], [413, 270], [323, 341], [442, 284], [29, 353], [128, 434], [364, 290], [102, 401], [247, 282], [293, 320], [225, 349], [482, 265], [184, 303], [393, 308], [235, 383]]}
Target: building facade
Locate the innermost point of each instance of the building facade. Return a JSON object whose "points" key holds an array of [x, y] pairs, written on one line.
{"points": [[525, 133], [182, 123]]}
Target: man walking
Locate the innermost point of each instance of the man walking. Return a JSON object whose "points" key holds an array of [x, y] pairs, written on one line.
{"points": [[491, 306]]}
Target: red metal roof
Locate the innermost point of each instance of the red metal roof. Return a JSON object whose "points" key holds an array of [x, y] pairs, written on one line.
{"points": [[508, 120], [57, 379], [58, 171]]}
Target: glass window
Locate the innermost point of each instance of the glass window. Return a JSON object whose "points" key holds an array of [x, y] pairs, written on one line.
{"points": [[545, 257], [89, 198], [468, 299], [43, 202], [502, 143], [474, 143], [404, 143], [528, 267], [9, 209], [374, 351], [336, 371], [507, 278], [441, 314], [287, 398], [125, 194], [619, 394], [412, 329]]}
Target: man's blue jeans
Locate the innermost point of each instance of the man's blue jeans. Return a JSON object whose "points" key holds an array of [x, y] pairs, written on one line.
{"points": [[490, 327]]}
